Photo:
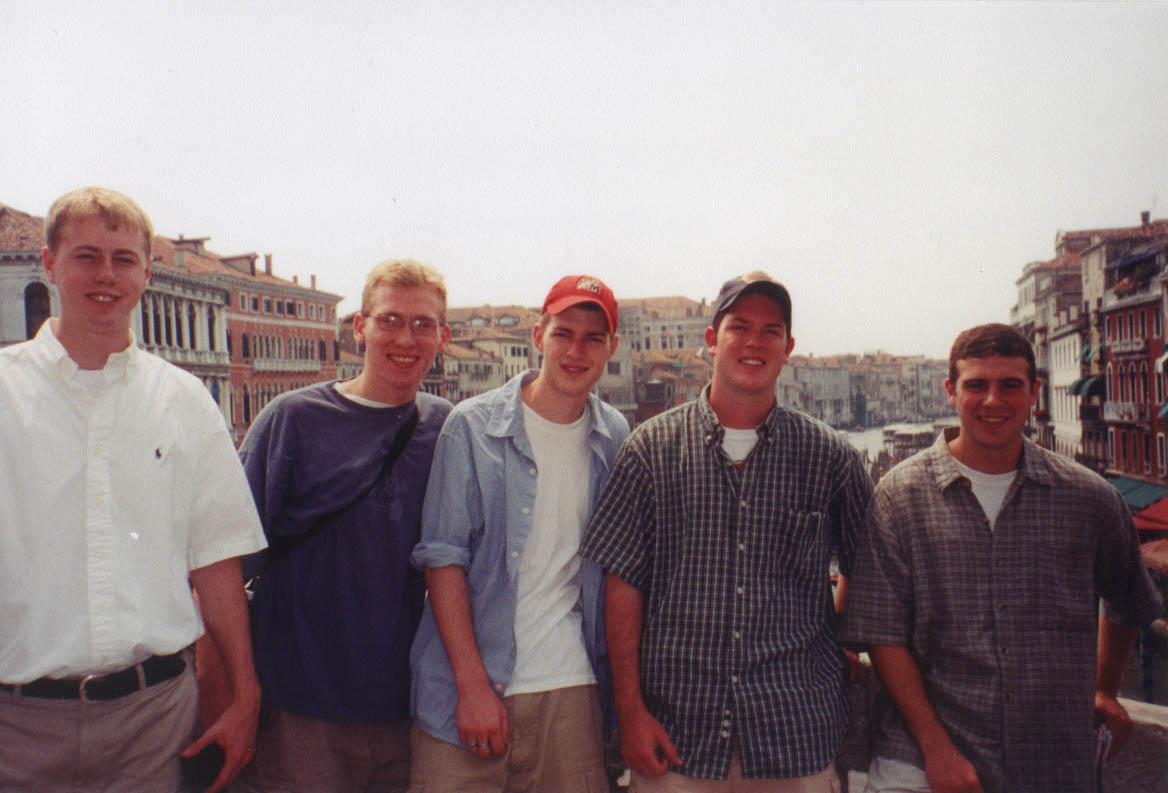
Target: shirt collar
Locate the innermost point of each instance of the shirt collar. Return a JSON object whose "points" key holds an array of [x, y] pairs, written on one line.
{"points": [[1032, 465], [713, 431], [53, 355], [508, 422]]}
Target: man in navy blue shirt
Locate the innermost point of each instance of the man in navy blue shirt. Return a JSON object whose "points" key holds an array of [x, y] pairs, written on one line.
{"points": [[338, 471]]}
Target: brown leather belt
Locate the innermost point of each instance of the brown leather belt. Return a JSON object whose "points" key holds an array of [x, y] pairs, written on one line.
{"points": [[155, 669]]}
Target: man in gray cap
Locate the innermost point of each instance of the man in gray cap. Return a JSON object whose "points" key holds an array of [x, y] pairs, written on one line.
{"points": [[716, 531]]}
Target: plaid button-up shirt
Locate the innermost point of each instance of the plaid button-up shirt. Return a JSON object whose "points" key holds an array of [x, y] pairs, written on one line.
{"points": [[738, 644], [1002, 624]]}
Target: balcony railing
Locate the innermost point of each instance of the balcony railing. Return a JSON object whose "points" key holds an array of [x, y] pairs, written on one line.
{"points": [[1140, 294], [1089, 413], [285, 364], [181, 356], [1128, 411], [1128, 345]]}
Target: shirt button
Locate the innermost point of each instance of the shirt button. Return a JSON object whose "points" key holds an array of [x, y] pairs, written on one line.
{"points": [[531, 471], [726, 722], [734, 679], [499, 687], [526, 511], [727, 713], [725, 733], [741, 546], [739, 590], [742, 504], [515, 554], [737, 635]]}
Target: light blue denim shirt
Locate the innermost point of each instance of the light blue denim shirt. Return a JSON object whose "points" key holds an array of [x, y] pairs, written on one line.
{"points": [[477, 515]]}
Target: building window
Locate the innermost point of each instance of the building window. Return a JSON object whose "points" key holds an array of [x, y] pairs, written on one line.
{"points": [[1147, 454], [267, 305], [289, 308], [244, 352], [280, 307], [255, 303], [1160, 453], [614, 367], [1111, 447], [1131, 326], [1156, 322], [242, 302], [312, 310], [1143, 324], [300, 310]]}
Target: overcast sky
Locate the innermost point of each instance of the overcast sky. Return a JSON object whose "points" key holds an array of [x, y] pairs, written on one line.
{"points": [[894, 165]]}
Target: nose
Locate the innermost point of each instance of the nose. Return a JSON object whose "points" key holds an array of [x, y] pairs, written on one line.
{"points": [[105, 268]]}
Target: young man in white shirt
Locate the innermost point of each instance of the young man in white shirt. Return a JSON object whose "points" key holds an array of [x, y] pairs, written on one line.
{"points": [[509, 664], [118, 481]]}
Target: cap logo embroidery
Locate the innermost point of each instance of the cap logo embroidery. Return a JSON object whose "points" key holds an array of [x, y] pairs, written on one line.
{"points": [[590, 284]]}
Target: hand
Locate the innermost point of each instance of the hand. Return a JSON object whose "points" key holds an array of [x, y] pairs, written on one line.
{"points": [[235, 732], [949, 772], [481, 719], [1108, 711], [645, 745]]}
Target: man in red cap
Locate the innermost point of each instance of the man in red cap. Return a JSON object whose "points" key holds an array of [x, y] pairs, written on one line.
{"points": [[509, 664]]}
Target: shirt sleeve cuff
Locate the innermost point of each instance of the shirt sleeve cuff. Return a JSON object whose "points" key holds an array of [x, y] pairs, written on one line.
{"points": [[439, 554]]}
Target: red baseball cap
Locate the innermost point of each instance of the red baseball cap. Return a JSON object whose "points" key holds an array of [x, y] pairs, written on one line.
{"points": [[571, 290]]}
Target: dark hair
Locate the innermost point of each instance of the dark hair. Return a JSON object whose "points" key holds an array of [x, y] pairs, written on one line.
{"points": [[991, 339]]}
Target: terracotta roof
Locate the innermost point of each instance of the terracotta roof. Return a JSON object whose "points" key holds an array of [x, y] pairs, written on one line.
{"points": [[459, 352], [526, 315], [20, 231], [1149, 230]]}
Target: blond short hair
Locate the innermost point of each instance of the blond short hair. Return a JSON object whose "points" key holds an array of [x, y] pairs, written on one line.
{"points": [[113, 208], [405, 273]]}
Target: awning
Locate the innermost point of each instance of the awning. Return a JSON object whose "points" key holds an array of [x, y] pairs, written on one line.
{"points": [[1073, 388], [1163, 410], [1086, 350], [1091, 384], [1095, 351], [1153, 517], [1136, 494]]}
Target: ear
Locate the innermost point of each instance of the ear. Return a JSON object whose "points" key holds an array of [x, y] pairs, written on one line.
{"points": [[1035, 387], [359, 328], [711, 339], [537, 337], [951, 392], [443, 336], [49, 262], [790, 346]]}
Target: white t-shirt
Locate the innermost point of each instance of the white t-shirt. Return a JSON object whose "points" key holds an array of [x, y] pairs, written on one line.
{"points": [[990, 490], [114, 485], [549, 638], [738, 444]]}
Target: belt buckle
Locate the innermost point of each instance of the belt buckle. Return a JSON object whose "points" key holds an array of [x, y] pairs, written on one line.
{"points": [[81, 689]]}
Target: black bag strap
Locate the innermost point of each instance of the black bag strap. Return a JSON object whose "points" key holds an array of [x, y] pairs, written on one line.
{"points": [[400, 439]]}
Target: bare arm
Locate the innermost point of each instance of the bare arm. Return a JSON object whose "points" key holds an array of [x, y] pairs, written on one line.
{"points": [[1115, 645], [644, 743], [947, 770], [219, 587], [480, 716]]}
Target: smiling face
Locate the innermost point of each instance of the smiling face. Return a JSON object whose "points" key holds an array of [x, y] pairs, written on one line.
{"points": [[993, 397], [576, 345], [396, 359], [100, 274], [750, 346]]}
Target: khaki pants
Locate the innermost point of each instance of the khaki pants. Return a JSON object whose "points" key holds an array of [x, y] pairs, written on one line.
{"points": [[128, 744], [556, 745], [826, 781], [303, 754]]}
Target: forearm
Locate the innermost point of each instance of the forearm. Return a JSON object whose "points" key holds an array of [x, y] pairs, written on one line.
{"points": [[219, 587], [1115, 646], [905, 686], [450, 600], [623, 619]]}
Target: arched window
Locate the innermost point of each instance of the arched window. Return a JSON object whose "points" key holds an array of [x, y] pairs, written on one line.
{"points": [[211, 328], [1112, 387], [191, 325], [323, 351], [246, 405], [245, 353], [1144, 380], [36, 308], [145, 320]]}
